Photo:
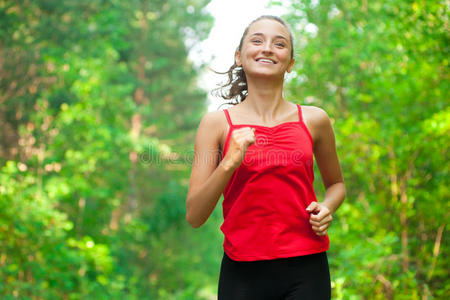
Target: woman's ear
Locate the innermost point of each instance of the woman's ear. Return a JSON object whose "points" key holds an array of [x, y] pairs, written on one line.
{"points": [[291, 65], [237, 58]]}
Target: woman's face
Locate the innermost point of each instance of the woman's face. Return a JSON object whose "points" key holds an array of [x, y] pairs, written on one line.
{"points": [[266, 50]]}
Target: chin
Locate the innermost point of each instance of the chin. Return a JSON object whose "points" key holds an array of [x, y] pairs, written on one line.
{"points": [[262, 74]]}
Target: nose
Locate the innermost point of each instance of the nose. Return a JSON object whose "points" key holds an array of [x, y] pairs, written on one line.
{"points": [[267, 48]]}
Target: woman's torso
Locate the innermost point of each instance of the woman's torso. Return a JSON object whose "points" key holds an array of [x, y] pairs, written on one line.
{"points": [[265, 200]]}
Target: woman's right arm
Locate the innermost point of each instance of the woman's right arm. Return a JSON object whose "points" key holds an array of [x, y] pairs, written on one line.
{"points": [[209, 177]]}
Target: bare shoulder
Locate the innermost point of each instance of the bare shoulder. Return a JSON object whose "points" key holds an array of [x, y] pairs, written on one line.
{"points": [[317, 121], [214, 121], [214, 118], [212, 125], [315, 115]]}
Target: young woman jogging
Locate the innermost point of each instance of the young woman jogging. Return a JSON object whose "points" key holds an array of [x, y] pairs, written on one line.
{"points": [[259, 155]]}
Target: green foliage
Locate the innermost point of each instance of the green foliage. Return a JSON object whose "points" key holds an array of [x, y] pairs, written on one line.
{"points": [[38, 257], [86, 87]]}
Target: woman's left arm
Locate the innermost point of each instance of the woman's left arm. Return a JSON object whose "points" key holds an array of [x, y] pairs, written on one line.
{"points": [[330, 171]]}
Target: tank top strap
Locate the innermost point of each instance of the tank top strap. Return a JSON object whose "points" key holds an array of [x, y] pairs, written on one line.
{"points": [[300, 119], [227, 114]]}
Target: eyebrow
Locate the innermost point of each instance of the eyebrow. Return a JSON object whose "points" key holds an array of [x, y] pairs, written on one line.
{"points": [[278, 36]]}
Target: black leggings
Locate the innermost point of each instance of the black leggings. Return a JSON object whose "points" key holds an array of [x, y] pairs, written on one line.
{"points": [[301, 277]]}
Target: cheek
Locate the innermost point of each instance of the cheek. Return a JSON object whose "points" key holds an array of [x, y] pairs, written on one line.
{"points": [[286, 55], [287, 58], [247, 56], [250, 52]]}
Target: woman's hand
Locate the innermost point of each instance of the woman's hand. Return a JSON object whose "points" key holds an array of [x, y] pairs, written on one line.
{"points": [[240, 140], [320, 217]]}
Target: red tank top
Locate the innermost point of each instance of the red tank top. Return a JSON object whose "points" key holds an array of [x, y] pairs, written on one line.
{"points": [[265, 200]]}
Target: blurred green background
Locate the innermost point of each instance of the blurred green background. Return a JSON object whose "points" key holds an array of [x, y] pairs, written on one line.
{"points": [[99, 104]]}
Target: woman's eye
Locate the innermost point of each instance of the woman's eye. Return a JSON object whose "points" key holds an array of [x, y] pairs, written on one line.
{"points": [[280, 44], [256, 41]]}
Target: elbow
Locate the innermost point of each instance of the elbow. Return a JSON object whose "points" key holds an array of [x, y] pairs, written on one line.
{"points": [[343, 190], [193, 214], [194, 222]]}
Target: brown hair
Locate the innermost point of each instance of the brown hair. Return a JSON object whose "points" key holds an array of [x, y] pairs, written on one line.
{"points": [[236, 87]]}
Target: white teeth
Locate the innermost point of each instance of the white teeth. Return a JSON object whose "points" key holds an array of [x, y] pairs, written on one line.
{"points": [[265, 60]]}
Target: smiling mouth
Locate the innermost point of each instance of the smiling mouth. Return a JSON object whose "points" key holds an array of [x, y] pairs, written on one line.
{"points": [[266, 60]]}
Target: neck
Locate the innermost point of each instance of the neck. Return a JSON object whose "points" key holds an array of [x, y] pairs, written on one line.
{"points": [[265, 98]]}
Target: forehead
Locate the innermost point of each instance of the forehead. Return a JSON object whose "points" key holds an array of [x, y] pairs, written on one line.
{"points": [[268, 27]]}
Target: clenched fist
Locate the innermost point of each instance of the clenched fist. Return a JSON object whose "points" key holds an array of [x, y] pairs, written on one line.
{"points": [[240, 140], [320, 218]]}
